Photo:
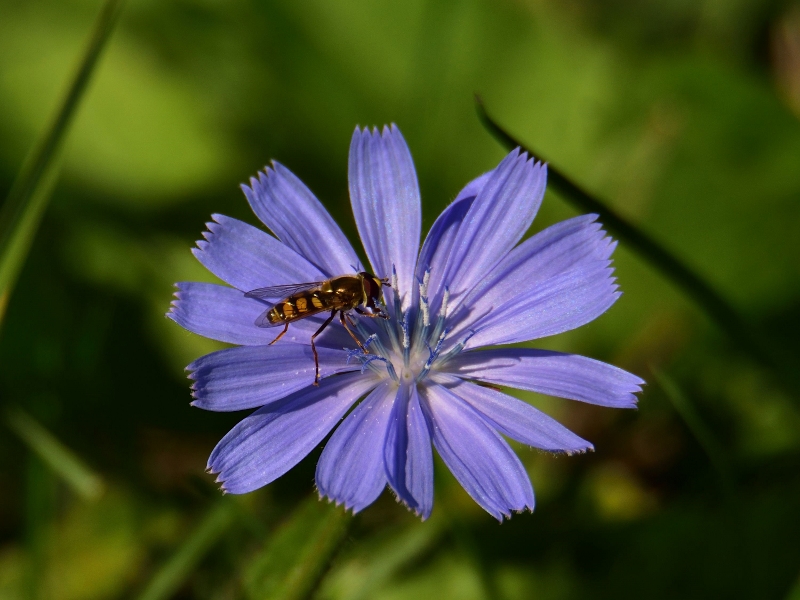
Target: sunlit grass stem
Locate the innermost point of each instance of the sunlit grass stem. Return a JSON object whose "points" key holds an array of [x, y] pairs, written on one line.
{"points": [[24, 206]]}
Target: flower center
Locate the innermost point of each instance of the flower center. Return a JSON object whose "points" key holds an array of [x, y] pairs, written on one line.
{"points": [[405, 351]]}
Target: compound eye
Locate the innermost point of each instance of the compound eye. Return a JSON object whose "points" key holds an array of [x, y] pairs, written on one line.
{"points": [[378, 288], [369, 287]]}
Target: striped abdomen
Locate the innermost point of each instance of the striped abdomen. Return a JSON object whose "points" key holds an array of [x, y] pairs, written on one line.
{"points": [[300, 305]]}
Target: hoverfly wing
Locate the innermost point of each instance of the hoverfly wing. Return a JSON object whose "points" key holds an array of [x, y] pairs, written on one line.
{"points": [[263, 319], [282, 291]]}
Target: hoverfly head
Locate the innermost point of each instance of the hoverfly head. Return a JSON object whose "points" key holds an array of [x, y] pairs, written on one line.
{"points": [[373, 289]]}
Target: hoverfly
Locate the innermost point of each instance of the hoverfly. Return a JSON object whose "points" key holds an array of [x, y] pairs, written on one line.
{"points": [[338, 294]]}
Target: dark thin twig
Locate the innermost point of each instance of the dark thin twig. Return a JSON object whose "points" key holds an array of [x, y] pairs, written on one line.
{"points": [[713, 304]]}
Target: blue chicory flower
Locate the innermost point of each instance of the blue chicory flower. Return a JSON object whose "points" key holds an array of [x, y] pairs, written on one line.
{"points": [[429, 378]]}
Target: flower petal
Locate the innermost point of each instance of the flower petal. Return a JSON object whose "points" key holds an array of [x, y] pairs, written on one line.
{"points": [[559, 304], [298, 219], [263, 446], [223, 313], [385, 196], [479, 458], [552, 373], [441, 237], [555, 250], [498, 218], [248, 258], [408, 457], [220, 313], [350, 470], [516, 419], [252, 376]]}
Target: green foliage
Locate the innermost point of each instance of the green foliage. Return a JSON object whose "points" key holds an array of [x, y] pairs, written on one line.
{"points": [[298, 554], [173, 573], [69, 467], [679, 114]]}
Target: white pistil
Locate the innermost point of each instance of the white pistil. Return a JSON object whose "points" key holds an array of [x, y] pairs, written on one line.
{"points": [[397, 330], [445, 300], [406, 340], [423, 298]]}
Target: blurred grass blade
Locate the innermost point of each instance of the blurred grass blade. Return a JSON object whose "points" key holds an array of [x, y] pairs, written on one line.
{"points": [[297, 557], [699, 429], [466, 541], [174, 572], [396, 554], [794, 593], [55, 455], [23, 208], [709, 300], [40, 513]]}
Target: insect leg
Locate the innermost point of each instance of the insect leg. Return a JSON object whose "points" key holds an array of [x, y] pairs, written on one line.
{"points": [[314, 348], [280, 335], [352, 335], [352, 324]]}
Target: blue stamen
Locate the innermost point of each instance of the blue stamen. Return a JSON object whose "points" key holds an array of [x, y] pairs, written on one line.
{"points": [[459, 346], [371, 358], [367, 360], [433, 354], [370, 339], [379, 347], [351, 352]]}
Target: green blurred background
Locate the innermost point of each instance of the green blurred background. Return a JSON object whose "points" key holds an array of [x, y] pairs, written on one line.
{"points": [[682, 114]]}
